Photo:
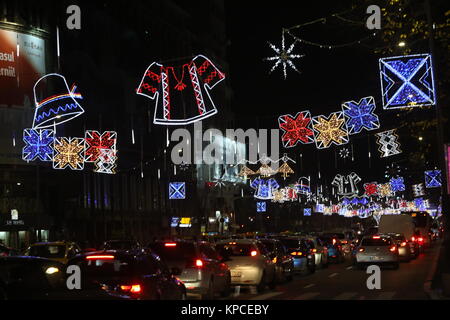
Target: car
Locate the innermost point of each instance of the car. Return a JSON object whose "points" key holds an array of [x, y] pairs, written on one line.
{"points": [[377, 249], [60, 251], [320, 251], [249, 262], [334, 248], [121, 245], [284, 262], [404, 248], [7, 252], [203, 270], [129, 275], [302, 253]]}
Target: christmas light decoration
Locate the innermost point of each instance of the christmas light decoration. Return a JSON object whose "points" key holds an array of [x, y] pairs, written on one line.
{"points": [[265, 171], [296, 129], [177, 190], [370, 189], [261, 207], [283, 56], [344, 153], [160, 83], [307, 212], [285, 170], [320, 208], [38, 145], [245, 172], [360, 115], [69, 152], [419, 203], [106, 161], [264, 189], [385, 190], [407, 81], [418, 190], [397, 184], [95, 142], [331, 130], [57, 107], [392, 170], [303, 186], [278, 196], [346, 185], [388, 143], [433, 179]]}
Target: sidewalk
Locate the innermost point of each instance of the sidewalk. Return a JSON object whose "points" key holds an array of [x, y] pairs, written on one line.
{"points": [[435, 285]]}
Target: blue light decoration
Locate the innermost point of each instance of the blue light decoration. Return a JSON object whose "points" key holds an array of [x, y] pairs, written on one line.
{"points": [[264, 189], [419, 203], [360, 115], [261, 206], [407, 81], [177, 190], [307, 212], [355, 201], [397, 184], [39, 144], [174, 222], [320, 208], [433, 179]]}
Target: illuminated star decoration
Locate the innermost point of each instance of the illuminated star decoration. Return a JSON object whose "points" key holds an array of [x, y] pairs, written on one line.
{"points": [[388, 143], [397, 184], [95, 142], [283, 56], [392, 170], [177, 190], [296, 129], [344, 153], [261, 206], [278, 196], [385, 190], [407, 81], [69, 153], [38, 144], [106, 161], [418, 190], [360, 115], [370, 188], [331, 130], [433, 179]]}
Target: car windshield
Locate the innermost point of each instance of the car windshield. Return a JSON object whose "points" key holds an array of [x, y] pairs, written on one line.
{"points": [[291, 243], [48, 251], [107, 267], [376, 242], [170, 251], [236, 249]]}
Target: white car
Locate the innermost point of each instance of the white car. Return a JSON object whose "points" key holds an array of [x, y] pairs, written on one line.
{"points": [[320, 251], [249, 263], [377, 249]]}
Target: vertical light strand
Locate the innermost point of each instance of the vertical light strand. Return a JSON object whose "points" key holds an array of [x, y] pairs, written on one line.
{"points": [[18, 62], [167, 137], [58, 48]]}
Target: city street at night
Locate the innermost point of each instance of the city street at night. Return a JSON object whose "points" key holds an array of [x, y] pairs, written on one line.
{"points": [[225, 159]]}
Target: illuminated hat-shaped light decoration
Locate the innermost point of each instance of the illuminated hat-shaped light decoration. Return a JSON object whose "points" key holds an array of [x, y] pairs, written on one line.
{"points": [[55, 102]]}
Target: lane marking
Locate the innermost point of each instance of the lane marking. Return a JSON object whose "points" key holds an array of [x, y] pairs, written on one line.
{"points": [[266, 296], [307, 296], [309, 286], [345, 296], [333, 275], [386, 295], [237, 291], [349, 268]]}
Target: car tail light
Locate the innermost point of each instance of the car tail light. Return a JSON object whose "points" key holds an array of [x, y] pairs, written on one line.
{"points": [[170, 244], [253, 253], [376, 237], [393, 248], [361, 249], [420, 239], [100, 257], [296, 253], [134, 288], [198, 263], [274, 260], [344, 241], [413, 239], [334, 241], [313, 250], [403, 244]]}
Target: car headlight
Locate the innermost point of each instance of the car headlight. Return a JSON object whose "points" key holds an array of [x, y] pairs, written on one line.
{"points": [[51, 270]]}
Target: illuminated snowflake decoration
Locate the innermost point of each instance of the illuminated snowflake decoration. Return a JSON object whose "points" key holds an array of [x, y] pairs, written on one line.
{"points": [[261, 206], [370, 189], [69, 153], [397, 184], [38, 145], [307, 212], [106, 162], [177, 190], [283, 56], [407, 81], [344, 153], [385, 190], [433, 179], [331, 130], [296, 129], [96, 142], [360, 115], [418, 190]]}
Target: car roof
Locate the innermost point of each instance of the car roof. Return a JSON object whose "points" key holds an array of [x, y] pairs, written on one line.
{"points": [[239, 241], [116, 253], [54, 243]]}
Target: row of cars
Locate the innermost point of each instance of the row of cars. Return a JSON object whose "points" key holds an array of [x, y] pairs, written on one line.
{"points": [[165, 269]]}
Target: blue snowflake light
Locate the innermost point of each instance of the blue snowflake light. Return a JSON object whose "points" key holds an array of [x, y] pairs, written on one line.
{"points": [[397, 184], [307, 212], [419, 203], [360, 115], [39, 144], [433, 179], [177, 190], [261, 207], [407, 81]]}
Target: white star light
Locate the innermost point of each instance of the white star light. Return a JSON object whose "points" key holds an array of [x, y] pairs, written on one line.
{"points": [[283, 56]]}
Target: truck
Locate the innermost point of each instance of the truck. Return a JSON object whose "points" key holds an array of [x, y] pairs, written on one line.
{"points": [[403, 224]]}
